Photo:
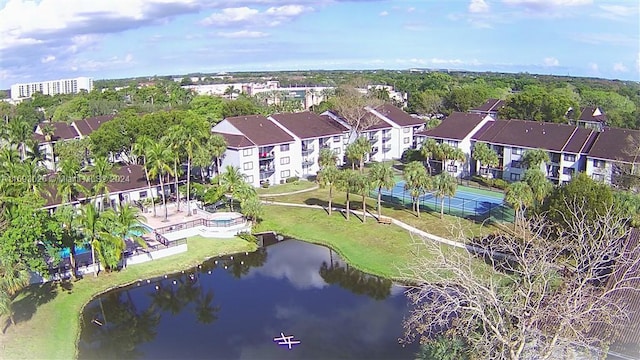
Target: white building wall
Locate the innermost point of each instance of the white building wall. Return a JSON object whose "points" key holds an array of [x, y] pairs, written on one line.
{"points": [[288, 162], [603, 172], [53, 87]]}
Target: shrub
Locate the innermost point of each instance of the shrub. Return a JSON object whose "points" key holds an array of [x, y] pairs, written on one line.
{"points": [[410, 155], [265, 184], [292, 179], [247, 236], [500, 184]]}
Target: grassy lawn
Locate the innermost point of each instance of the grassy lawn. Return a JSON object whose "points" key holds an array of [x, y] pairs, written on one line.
{"points": [[371, 247], [428, 221], [47, 315], [285, 188]]}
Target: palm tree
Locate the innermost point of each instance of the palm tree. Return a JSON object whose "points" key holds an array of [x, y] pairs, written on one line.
{"points": [[252, 208], [92, 225], [193, 134], [20, 132], [218, 147], [347, 182], [361, 147], [175, 141], [444, 185], [519, 196], [485, 156], [101, 174], [33, 177], [417, 182], [363, 186], [13, 278], [48, 130], [352, 154], [328, 177], [327, 158], [534, 158], [448, 152], [427, 150], [158, 157], [231, 180], [140, 148], [539, 184], [127, 223], [66, 216], [68, 185], [381, 177]]}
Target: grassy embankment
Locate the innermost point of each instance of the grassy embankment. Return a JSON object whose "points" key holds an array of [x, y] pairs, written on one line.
{"points": [[48, 315]]}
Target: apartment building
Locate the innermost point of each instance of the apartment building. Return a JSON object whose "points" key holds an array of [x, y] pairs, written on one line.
{"points": [[456, 130], [313, 132], [264, 152], [403, 129], [614, 153], [490, 107], [52, 87]]}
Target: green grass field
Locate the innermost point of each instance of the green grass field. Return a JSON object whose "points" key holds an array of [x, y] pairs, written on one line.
{"points": [[285, 188]]}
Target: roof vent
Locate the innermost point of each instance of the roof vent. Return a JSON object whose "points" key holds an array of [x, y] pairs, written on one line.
{"points": [[129, 170], [543, 132]]}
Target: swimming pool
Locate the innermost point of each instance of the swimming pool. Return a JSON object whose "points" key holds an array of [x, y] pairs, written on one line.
{"points": [[64, 253]]}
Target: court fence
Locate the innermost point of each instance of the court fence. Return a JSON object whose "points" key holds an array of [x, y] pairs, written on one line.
{"points": [[477, 210]]}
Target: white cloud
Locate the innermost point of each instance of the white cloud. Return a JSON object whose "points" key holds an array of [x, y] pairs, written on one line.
{"points": [[287, 10], [606, 38], [384, 13], [48, 58], [231, 15], [619, 67], [593, 67], [246, 16], [411, 9], [478, 6], [547, 3], [551, 61], [242, 34], [617, 12]]}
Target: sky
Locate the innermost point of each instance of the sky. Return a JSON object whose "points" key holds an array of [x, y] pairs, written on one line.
{"points": [[105, 39]]}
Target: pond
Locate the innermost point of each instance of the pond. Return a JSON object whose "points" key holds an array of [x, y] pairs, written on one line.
{"points": [[234, 308]]}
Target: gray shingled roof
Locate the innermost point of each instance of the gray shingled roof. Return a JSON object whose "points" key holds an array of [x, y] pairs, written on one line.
{"points": [[617, 144], [398, 116], [455, 126]]}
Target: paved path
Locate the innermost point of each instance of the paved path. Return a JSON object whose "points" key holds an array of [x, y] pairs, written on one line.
{"points": [[316, 187], [403, 225]]}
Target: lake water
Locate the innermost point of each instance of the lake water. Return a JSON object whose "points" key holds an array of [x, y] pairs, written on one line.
{"points": [[210, 312]]}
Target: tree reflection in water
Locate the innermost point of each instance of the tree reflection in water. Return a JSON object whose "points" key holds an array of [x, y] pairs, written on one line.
{"points": [[355, 281]]}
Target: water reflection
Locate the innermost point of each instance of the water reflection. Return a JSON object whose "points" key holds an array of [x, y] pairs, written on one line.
{"points": [[233, 307]]}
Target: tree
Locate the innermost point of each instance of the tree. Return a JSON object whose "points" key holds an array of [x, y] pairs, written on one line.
{"points": [[47, 131], [140, 148], [328, 177], [13, 278], [444, 152], [534, 303], [218, 147], [357, 150], [485, 156], [444, 185], [418, 182], [233, 182], [252, 208], [426, 102], [351, 105], [208, 107], [20, 132], [363, 186], [193, 134], [70, 237], [348, 182], [519, 196], [539, 184], [101, 174], [381, 177], [68, 181], [159, 157], [327, 158], [174, 141], [534, 158], [428, 150], [92, 225]]}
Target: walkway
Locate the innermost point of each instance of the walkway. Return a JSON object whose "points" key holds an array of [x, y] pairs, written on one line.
{"points": [[424, 234], [316, 187]]}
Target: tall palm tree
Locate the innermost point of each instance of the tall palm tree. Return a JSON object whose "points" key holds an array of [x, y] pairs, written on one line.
{"points": [[539, 184], [159, 157], [13, 278], [363, 186], [193, 134], [347, 182], [218, 147], [32, 175], [125, 223], [447, 152], [381, 177], [101, 174], [428, 150], [327, 158], [362, 147], [175, 142], [519, 196], [92, 225], [68, 185], [48, 130], [444, 185], [328, 177], [231, 181], [140, 148], [20, 132], [66, 216], [417, 182]]}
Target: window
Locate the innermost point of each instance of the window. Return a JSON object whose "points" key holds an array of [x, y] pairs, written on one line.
{"points": [[516, 164], [336, 138], [406, 130], [285, 174], [516, 151], [515, 177], [600, 164], [143, 195], [569, 157], [249, 179], [598, 177], [407, 140], [247, 152], [284, 147], [568, 171], [452, 168], [337, 150], [284, 160], [248, 166]]}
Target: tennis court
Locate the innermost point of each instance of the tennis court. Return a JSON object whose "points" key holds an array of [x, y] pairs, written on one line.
{"points": [[467, 202]]}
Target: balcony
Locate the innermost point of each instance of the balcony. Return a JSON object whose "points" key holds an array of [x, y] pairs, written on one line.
{"points": [[306, 150], [266, 155], [325, 145], [267, 169], [307, 163], [374, 150], [386, 148], [386, 137], [373, 139]]}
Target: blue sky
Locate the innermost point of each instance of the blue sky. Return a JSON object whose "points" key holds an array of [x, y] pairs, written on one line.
{"points": [[50, 39]]}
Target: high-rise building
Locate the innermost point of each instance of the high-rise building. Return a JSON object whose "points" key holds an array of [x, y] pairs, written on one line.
{"points": [[53, 87]]}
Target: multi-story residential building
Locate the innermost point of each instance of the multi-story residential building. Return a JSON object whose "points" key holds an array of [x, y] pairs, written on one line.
{"points": [[567, 147], [53, 87], [263, 151], [403, 128], [614, 153], [313, 132], [456, 130], [591, 118], [490, 107]]}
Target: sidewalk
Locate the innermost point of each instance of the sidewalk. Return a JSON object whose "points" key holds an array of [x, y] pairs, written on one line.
{"points": [[289, 193]]}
